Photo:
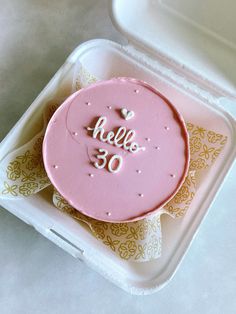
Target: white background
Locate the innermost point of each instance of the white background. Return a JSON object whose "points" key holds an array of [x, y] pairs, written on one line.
{"points": [[36, 276]]}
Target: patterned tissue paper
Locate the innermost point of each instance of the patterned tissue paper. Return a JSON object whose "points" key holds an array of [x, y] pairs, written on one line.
{"points": [[22, 174]]}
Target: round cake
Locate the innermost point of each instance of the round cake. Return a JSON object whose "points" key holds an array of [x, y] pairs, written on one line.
{"points": [[117, 150]]}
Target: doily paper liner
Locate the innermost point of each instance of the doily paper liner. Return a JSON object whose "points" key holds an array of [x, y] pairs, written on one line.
{"points": [[22, 174]]}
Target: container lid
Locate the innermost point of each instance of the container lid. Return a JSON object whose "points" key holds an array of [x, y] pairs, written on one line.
{"points": [[198, 35]]}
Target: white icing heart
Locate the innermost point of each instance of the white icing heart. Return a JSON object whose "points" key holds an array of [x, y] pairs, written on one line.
{"points": [[127, 114]]}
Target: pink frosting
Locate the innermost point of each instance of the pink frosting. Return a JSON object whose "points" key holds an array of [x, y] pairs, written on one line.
{"points": [[147, 179]]}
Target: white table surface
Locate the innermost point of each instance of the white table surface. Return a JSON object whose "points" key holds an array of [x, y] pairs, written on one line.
{"points": [[35, 275]]}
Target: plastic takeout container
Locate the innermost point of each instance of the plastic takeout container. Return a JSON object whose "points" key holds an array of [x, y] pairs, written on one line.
{"points": [[187, 51]]}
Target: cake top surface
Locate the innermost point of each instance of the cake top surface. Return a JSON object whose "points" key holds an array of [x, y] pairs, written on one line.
{"points": [[116, 150]]}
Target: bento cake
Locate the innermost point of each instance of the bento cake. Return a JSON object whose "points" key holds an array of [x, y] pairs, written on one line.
{"points": [[116, 150]]}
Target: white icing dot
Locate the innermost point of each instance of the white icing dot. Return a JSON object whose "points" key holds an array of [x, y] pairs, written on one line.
{"points": [[141, 195], [108, 214], [75, 133], [167, 128], [138, 171], [88, 103], [55, 166], [136, 91], [91, 175], [157, 147], [172, 175], [109, 107], [148, 139]]}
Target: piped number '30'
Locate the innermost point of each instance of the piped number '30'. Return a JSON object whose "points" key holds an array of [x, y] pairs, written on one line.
{"points": [[114, 163]]}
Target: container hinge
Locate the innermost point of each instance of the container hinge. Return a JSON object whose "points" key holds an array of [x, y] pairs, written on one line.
{"points": [[168, 70]]}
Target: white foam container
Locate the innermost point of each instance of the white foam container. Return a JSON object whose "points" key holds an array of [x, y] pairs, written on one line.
{"points": [[186, 52]]}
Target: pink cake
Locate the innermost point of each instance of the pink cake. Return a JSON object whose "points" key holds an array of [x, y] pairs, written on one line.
{"points": [[117, 150]]}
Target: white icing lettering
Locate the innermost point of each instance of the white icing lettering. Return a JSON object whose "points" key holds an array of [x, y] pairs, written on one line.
{"points": [[101, 157], [119, 136], [110, 136], [99, 128], [112, 160], [128, 138], [120, 139], [134, 147]]}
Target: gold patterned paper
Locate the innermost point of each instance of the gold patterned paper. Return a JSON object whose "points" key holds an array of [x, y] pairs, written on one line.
{"points": [[22, 174], [138, 241], [22, 171], [82, 77]]}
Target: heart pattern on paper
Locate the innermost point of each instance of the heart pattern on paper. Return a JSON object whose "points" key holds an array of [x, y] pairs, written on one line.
{"points": [[127, 114]]}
